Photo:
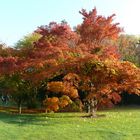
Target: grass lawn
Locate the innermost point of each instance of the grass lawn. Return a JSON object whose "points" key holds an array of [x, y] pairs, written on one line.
{"points": [[118, 124]]}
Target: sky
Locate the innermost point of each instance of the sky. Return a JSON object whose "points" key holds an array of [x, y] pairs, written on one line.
{"points": [[21, 17]]}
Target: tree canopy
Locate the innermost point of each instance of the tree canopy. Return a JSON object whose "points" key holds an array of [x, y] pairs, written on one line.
{"points": [[84, 59]]}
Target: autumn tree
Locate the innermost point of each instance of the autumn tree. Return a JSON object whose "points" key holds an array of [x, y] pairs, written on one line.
{"points": [[100, 77], [12, 72], [84, 60], [103, 81]]}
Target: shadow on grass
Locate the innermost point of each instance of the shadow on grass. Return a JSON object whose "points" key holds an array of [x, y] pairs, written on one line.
{"points": [[97, 116], [23, 119], [36, 119]]}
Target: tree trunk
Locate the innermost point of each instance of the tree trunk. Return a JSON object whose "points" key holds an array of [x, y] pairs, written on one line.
{"points": [[88, 108], [93, 107], [19, 108], [93, 112], [46, 111]]}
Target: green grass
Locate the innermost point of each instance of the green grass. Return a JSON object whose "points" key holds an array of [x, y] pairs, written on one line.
{"points": [[118, 124]]}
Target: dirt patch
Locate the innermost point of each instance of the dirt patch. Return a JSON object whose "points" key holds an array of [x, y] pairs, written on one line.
{"points": [[97, 116]]}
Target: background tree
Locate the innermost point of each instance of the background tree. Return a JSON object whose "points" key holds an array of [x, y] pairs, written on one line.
{"points": [[27, 41], [129, 48]]}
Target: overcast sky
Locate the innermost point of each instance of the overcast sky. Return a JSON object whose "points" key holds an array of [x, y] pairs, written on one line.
{"points": [[21, 17]]}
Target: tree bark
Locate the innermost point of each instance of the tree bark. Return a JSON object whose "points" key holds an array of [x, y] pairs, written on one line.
{"points": [[93, 108], [46, 111], [88, 108], [19, 108], [93, 112]]}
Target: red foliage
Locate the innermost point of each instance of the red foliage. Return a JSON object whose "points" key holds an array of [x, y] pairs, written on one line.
{"points": [[84, 57], [8, 65], [96, 28]]}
